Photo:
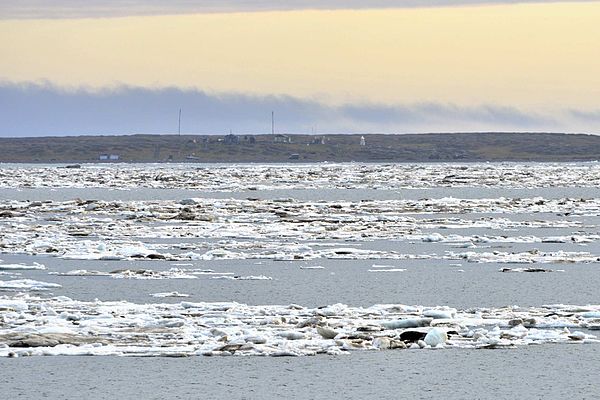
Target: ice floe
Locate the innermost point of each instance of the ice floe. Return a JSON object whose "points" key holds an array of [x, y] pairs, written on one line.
{"points": [[197, 237], [244, 278], [172, 273], [283, 230], [529, 257], [14, 267], [169, 294], [62, 326], [385, 268], [80, 272], [27, 285], [244, 177]]}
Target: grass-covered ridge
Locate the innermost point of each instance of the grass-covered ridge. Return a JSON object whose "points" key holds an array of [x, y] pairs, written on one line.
{"points": [[305, 148]]}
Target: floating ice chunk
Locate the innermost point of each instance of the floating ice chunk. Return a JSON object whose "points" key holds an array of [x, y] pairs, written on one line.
{"points": [[12, 267], [80, 272], [286, 353], [326, 332], [528, 257], [102, 257], [556, 239], [209, 272], [436, 337], [239, 329], [382, 343], [218, 254], [312, 267], [407, 323], [578, 335], [190, 201], [432, 238], [518, 331], [333, 310], [387, 270], [244, 278], [10, 274], [590, 314], [292, 335], [172, 273], [169, 294], [27, 284], [440, 314], [138, 251], [256, 339], [466, 245], [89, 250], [16, 305], [190, 255]]}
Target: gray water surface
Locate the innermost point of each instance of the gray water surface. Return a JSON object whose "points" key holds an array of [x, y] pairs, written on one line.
{"points": [[425, 282], [535, 372], [140, 194]]}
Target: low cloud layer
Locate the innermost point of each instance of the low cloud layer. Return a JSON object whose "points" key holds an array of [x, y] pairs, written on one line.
{"points": [[16, 9], [45, 110]]}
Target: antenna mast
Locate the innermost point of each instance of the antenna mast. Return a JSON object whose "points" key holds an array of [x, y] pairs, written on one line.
{"points": [[272, 122], [179, 126]]}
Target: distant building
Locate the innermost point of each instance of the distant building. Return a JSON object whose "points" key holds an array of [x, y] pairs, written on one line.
{"points": [[282, 139], [109, 157], [294, 156], [362, 141], [231, 139]]}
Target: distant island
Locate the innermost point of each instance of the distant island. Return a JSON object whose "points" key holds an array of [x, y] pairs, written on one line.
{"points": [[457, 147]]}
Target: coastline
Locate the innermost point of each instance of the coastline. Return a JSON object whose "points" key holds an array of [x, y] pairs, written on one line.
{"points": [[269, 149]]}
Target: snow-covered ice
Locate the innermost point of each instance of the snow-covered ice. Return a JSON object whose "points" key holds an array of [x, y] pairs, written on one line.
{"points": [[121, 328], [199, 237]]}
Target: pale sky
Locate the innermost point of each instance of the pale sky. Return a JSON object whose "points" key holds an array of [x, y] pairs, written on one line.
{"points": [[107, 8], [454, 67]]}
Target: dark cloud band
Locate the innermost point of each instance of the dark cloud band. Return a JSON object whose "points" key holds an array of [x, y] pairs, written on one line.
{"points": [[42, 109]]}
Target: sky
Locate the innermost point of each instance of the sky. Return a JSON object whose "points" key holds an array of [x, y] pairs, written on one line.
{"points": [[120, 67]]}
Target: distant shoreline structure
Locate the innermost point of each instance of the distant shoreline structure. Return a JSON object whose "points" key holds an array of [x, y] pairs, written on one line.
{"points": [[274, 148]]}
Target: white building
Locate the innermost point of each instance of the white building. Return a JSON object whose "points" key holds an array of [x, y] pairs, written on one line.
{"points": [[282, 139]]}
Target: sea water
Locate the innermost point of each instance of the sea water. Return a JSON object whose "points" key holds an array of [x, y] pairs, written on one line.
{"points": [[186, 260]]}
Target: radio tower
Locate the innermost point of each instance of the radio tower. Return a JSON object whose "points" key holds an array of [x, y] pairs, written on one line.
{"points": [[179, 125]]}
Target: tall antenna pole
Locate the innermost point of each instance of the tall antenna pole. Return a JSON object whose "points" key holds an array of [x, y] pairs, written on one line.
{"points": [[179, 126], [272, 122]]}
